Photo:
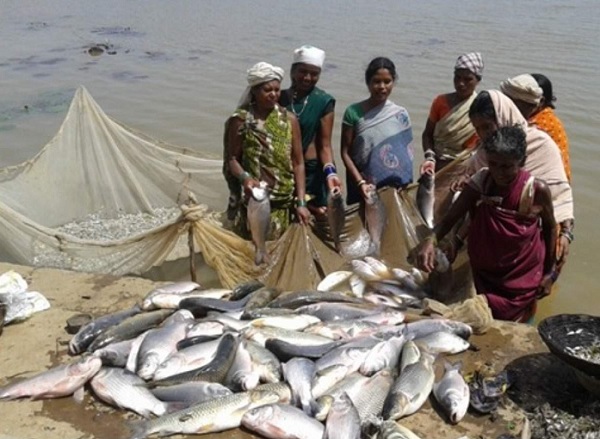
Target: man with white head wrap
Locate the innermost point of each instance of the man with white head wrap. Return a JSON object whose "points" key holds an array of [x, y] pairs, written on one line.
{"points": [[448, 130], [262, 145], [524, 92], [314, 109]]}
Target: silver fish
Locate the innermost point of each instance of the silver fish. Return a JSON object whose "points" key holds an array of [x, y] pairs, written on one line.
{"points": [[219, 414], [260, 335], [115, 354], [326, 378], [175, 288], [426, 198], [452, 392], [187, 359], [59, 381], [296, 322], [259, 221], [410, 354], [157, 346], [264, 362], [425, 327], [343, 421], [241, 374], [336, 215], [278, 421], [364, 271], [299, 373], [191, 393], [411, 389], [375, 217], [126, 390], [131, 364], [333, 280], [393, 430], [370, 397], [88, 333], [384, 355], [340, 311], [442, 342]]}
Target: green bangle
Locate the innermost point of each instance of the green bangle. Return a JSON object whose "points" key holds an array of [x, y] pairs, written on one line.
{"points": [[300, 203], [244, 176]]}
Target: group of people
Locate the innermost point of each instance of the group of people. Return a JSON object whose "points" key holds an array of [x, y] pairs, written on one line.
{"points": [[516, 192]]}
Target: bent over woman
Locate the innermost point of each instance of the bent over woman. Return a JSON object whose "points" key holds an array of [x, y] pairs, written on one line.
{"points": [[512, 235]]}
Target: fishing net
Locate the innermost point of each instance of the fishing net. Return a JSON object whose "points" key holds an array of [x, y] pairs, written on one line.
{"points": [[102, 197]]}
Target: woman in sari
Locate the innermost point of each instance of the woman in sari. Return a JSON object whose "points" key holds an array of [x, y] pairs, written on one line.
{"points": [[448, 130], [314, 109], [376, 136], [492, 110], [512, 233], [533, 96], [263, 144]]}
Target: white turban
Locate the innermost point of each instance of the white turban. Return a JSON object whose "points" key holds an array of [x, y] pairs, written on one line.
{"points": [[309, 55], [522, 88], [259, 74], [263, 72]]}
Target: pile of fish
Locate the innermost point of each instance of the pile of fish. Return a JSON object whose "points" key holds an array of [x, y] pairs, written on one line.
{"points": [[345, 361]]}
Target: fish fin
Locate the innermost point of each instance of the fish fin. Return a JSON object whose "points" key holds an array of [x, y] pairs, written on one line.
{"points": [[138, 429], [78, 395]]}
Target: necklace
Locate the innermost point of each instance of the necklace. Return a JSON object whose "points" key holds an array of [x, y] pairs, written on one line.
{"points": [[294, 105]]}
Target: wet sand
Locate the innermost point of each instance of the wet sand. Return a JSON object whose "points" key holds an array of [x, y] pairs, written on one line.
{"points": [[41, 342]]}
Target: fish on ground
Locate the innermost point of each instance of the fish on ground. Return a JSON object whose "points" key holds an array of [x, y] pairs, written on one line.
{"points": [[452, 392], [279, 421], [63, 380]]}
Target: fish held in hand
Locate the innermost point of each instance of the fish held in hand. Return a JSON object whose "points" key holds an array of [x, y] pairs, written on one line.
{"points": [[375, 217], [426, 198], [336, 215], [259, 221]]}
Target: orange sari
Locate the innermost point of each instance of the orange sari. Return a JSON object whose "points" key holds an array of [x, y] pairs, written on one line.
{"points": [[547, 121]]}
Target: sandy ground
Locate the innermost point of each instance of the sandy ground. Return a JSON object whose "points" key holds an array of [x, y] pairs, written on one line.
{"points": [[41, 342]]}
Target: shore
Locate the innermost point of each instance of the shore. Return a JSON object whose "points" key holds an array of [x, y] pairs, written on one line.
{"points": [[41, 342]]}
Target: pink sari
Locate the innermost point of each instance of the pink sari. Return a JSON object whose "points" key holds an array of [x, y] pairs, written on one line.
{"points": [[506, 247]]}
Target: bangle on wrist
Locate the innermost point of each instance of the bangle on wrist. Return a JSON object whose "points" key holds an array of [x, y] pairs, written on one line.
{"points": [[329, 171], [432, 238], [430, 155], [332, 175], [359, 183], [300, 202], [567, 234], [329, 165], [244, 176]]}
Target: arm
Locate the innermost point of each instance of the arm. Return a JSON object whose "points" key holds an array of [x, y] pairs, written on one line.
{"points": [[347, 140], [427, 140], [298, 167], [564, 242], [543, 199], [458, 209], [235, 155], [324, 146]]}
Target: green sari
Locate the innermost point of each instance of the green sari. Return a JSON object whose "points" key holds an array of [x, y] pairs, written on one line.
{"points": [[267, 156], [309, 111]]}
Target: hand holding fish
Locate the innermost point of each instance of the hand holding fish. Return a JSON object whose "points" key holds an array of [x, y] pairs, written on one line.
{"points": [[427, 167], [426, 254], [303, 214], [249, 184], [333, 182]]}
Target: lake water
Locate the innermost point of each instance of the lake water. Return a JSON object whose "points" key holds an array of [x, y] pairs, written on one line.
{"points": [[179, 69]]}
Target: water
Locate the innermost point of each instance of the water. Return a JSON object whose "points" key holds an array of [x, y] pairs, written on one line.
{"points": [[179, 70]]}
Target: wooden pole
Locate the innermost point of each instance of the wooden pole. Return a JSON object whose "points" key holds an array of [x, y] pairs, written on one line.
{"points": [[192, 253]]}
